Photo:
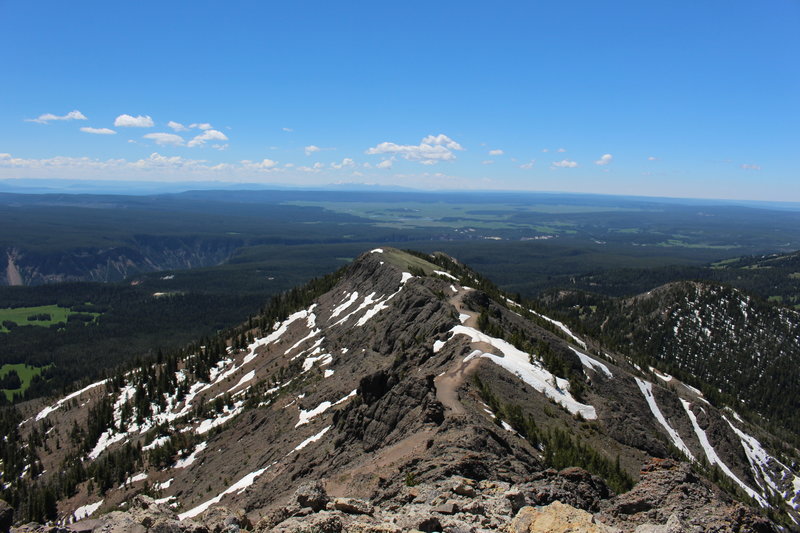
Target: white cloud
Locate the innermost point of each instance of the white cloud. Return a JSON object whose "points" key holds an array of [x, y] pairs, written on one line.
{"points": [[220, 147], [207, 135], [287, 129], [346, 163], [310, 149], [98, 131], [652, 158], [565, 163], [561, 150], [386, 163], [604, 159], [165, 138], [442, 139], [528, 165], [545, 150], [746, 166], [487, 162], [496, 152], [264, 164], [47, 117], [431, 150], [201, 126], [177, 126], [127, 121]]}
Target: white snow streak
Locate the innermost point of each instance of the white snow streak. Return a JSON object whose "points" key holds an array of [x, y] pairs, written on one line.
{"points": [[238, 487], [47, 410], [647, 390], [713, 458], [592, 363], [309, 440], [563, 328]]}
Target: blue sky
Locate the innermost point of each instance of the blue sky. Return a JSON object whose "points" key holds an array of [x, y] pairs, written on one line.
{"points": [[687, 99]]}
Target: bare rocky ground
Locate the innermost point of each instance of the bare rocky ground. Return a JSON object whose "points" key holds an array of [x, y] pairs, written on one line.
{"points": [[669, 499]]}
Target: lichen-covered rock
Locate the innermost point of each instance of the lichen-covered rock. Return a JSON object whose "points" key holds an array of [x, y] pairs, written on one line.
{"points": [[556, 518]]}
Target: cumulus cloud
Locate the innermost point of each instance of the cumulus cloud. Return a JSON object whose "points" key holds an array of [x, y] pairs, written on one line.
{"points": [[264, 164], [201, 126], [127, 121], [207, 135], [545, 150], [386, 163], [165, 138], [177, 126], [528, 165], [287, 129], [431, 150], [487, 162], [496, 152], [346, 163], [98, 131], [604, 159], [746, 166], [565, 163], [47, 117], [310, 149], [561, 150], [652, 158]]}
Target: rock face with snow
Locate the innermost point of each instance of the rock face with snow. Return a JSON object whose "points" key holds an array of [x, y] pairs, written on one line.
{"points": [[400, 398]]}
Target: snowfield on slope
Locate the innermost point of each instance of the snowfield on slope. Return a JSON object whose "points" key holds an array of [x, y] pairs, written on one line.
{"points": [[647, 390], [518, 363]]}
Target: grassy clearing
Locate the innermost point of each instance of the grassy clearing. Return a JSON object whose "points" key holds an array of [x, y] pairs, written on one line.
{"points": [[24, 316], [26, 374]]}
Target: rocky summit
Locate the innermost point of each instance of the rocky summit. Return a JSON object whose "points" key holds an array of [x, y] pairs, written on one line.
{"points": [[402, 393]]}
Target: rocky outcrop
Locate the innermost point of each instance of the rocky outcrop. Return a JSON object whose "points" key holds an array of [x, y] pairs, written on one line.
{"points": [[670, 493], [556, 518]]}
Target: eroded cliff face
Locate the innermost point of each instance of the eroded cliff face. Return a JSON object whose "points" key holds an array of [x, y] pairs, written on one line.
{"points": [[143, 254], [388, 390]]}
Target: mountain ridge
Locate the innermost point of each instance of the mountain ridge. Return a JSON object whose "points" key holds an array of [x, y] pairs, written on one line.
{"points": [[392, 373]]}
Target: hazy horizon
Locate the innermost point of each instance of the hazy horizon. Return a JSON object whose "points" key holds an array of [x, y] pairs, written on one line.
{"points": [[680, 100]]}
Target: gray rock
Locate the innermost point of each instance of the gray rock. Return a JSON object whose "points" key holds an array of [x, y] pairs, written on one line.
{"points": [[352, 506], [312, 495], [446, 508], [462, 489]]}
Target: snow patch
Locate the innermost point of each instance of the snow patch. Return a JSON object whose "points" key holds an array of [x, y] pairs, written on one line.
{"points": [[713, 458], [647, 390], [562, 327], [238, 487], [309, 440], [85, 511], [47, 410], [592, 363], [188, 461], [518, 363], [445, 274]]}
